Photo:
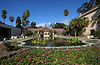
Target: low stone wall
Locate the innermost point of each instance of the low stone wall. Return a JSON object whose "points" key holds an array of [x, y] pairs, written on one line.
{"points": [[63, 47]]}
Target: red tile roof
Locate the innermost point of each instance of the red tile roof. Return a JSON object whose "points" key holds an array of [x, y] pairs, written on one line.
{"points": [[46, 29]]}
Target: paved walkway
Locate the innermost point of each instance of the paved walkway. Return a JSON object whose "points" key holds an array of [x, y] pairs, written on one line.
{"points": [[80, 38], [11, 40]]}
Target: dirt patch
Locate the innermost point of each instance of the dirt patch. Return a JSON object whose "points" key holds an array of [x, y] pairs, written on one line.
{"points": [[3, 52]]}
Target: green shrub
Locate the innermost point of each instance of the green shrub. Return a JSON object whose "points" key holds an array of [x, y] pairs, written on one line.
{"points": [[27, 32], [97, 34], [40, 42], [72, 42], [8, 46]]}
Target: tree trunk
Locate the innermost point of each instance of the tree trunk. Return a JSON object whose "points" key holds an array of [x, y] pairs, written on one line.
{"points": [[11, 23], [75, 33], [66, 22], [4, 21]]}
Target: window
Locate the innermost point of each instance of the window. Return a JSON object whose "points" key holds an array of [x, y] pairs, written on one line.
{"points": [[45, 33]]}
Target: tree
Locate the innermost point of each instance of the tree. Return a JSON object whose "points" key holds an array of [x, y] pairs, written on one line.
{"points": [[39, 27], [97, 2], [33, 25], [59, 25], [25, 20], [66, 12], [11, 18], [78, 24], [97, 34], [55, 32], [36, 32], [4, 15], [27, 32], [88, 5], [52, 25], [64, 32], [18, 22], [50, 32], [27, 13]]}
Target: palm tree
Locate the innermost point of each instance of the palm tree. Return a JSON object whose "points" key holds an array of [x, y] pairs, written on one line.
{"points": [[66, 12], [4, 15], [11, 18]]}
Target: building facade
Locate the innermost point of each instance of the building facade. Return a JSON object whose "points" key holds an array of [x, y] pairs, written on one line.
{"points": [[92, 15], [6, 31], [46, 31]]}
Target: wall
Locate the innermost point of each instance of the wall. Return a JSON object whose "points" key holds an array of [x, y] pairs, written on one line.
{"points": [[91, 14], [14, 30]]}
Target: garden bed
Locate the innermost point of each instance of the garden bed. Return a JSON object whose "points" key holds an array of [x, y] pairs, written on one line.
{"points": [[4, 52], [79, 56]]}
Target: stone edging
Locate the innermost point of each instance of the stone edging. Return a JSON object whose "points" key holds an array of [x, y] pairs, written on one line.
{"points": [[82, 46]]}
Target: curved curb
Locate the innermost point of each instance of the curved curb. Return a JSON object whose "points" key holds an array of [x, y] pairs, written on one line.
{"points": [[63, 47]]}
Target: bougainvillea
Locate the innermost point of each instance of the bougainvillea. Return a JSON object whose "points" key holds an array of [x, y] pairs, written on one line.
{"points": [[81, 56]]}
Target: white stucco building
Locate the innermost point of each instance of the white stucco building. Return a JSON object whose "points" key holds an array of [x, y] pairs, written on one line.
{"points": [[91, 14]]}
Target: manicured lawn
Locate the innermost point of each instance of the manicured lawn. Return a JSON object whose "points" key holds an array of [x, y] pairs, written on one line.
{"points": [[22, 39], [83, 56]]}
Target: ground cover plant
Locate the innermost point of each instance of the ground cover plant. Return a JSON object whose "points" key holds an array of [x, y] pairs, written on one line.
{"points": [[39, 42], [9, 46], [72, 42], [82, 56]]}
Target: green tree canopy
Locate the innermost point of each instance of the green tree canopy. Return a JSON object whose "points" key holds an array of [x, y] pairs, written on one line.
{"points": [[66, 12], [55, 32], [39, 27], [52, 25], [33, 25], [78, 24], [25, 20], [11, 18], [18, 22], [27, 32], [88, 5], [59, 25], [4, 12], [98, 20], [4, 15]]}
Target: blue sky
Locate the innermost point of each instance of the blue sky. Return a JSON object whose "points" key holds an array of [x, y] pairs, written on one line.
{"points": [[41, 11]]}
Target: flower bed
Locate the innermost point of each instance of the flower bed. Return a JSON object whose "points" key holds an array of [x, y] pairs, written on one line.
{"points": [[87, 56]]}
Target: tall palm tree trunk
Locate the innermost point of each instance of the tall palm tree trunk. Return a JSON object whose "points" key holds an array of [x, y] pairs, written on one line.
{"points": [[75, 33], [66, 22], [11, 23], [4, 21]]}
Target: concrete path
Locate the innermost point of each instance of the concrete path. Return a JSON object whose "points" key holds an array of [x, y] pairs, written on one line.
{"points": [[80, 38], [12, 40]]}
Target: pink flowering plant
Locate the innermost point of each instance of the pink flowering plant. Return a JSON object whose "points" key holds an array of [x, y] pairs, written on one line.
{"points": [[81, 56]]}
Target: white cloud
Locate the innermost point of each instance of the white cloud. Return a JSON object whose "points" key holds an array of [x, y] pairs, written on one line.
{"points": [[49, 23], [43, 24]]}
